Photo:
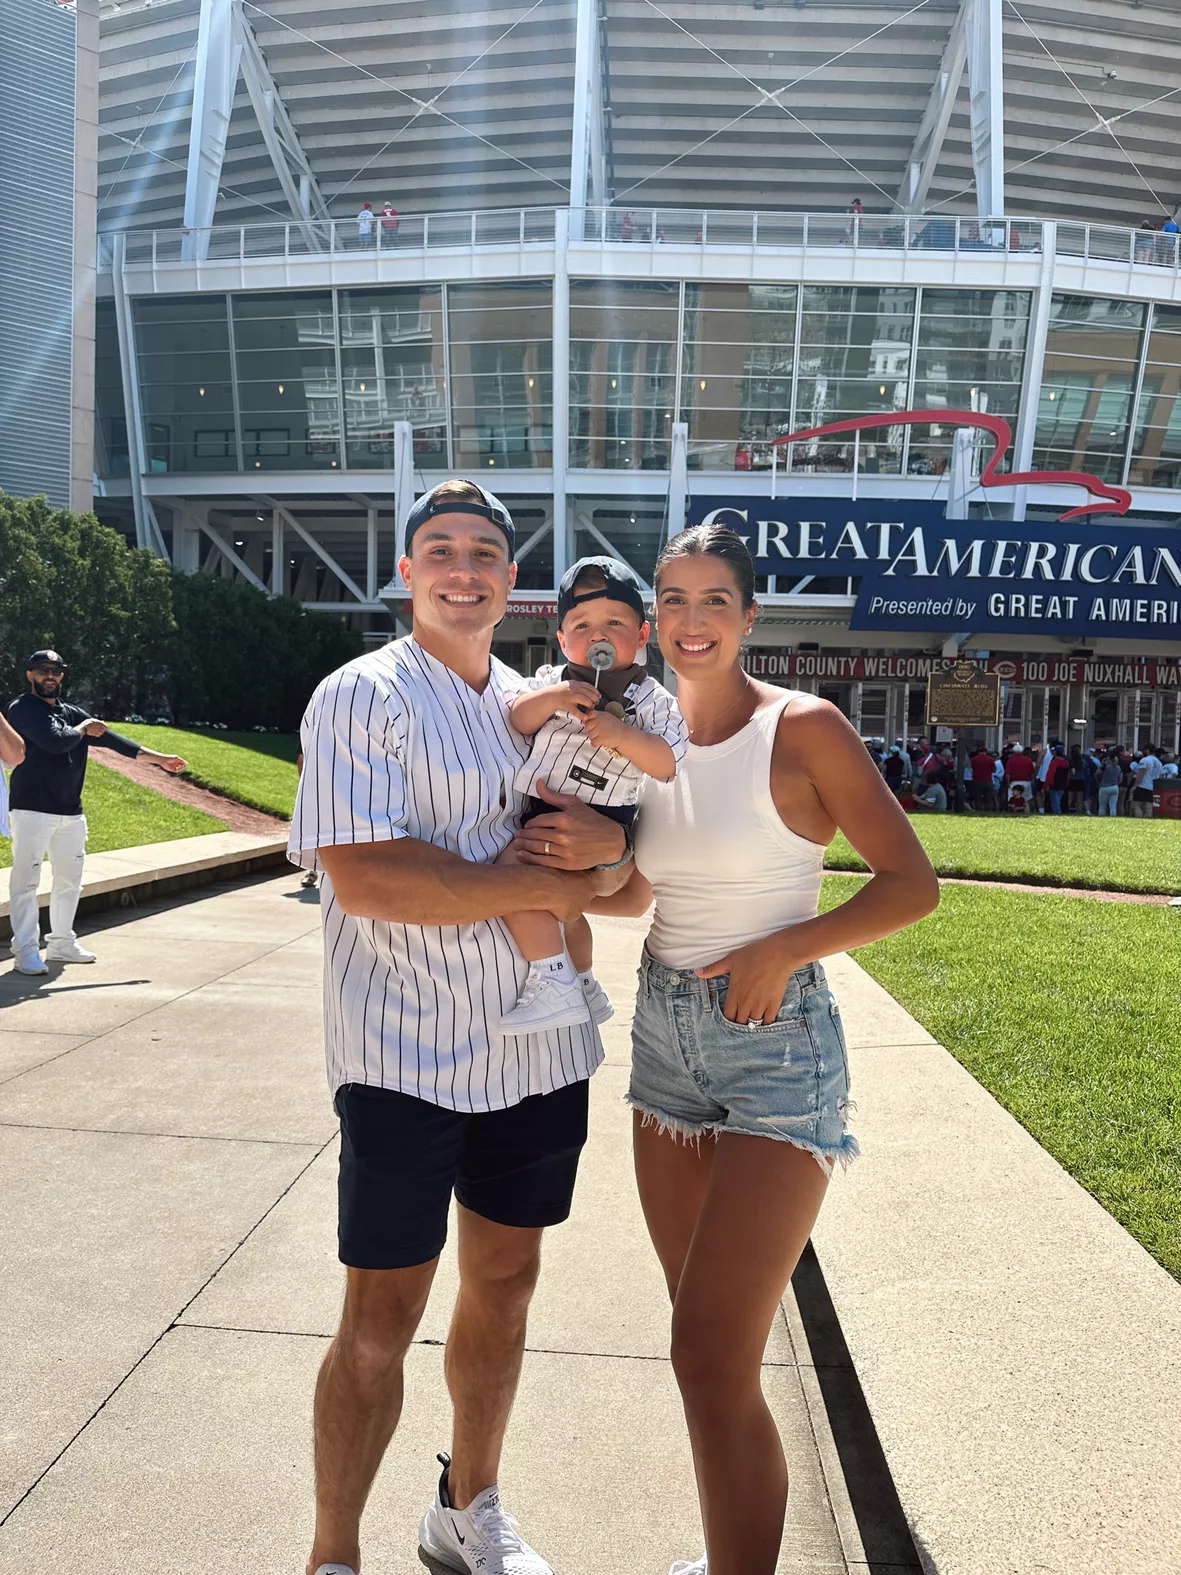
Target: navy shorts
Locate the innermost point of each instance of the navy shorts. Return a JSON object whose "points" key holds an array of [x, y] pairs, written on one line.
{"points": [[402, 1158]]}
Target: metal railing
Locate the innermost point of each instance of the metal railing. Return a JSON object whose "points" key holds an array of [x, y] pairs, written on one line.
{"points": [[644, 227], [1115, 243]]}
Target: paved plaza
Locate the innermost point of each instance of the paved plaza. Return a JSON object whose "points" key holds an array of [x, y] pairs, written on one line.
{"points": [[168, 1160], [977, 1361]]}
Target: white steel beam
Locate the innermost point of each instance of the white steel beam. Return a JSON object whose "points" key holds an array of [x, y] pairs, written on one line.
{"points": [[588, 159], [932, 132], [231, 556], [218, 57], [321, 552], [403, 491], [300, 188], [986, 89], [678, 478]]}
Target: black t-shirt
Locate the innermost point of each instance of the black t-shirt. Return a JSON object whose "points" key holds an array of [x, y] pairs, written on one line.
{"points": [[49, 779]]}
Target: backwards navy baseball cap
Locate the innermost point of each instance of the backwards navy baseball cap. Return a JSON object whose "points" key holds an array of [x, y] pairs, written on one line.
{"points": [[487, 507], [623, 584]]}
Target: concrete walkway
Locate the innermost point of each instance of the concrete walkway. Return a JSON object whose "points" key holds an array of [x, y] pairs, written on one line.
{"points": [[167, 1163], [154, 868], [1019, 1351]]}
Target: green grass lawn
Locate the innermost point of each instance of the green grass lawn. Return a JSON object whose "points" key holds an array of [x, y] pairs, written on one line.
{"points": [[1118, 854], [255, 768], [121, 814], [1068, 1011]]}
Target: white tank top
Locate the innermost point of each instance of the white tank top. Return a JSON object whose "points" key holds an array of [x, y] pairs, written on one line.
{"points": [[724, 868]]}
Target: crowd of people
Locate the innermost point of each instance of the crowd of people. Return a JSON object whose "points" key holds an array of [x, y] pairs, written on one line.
{"points": [[1048, 779]]}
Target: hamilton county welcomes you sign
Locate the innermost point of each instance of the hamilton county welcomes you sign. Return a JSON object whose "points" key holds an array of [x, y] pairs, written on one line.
{"points": [[920, 572]]}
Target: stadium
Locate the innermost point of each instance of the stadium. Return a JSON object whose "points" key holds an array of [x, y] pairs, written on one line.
{"points": [[626, 246]]}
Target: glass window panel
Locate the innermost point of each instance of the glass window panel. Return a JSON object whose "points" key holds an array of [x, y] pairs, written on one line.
{"points": [[520, 310], [111, 454], [280, 366], [186, 390], [393, 368], [151, 311], [291, 321], [635, 531], [1156, 445]]}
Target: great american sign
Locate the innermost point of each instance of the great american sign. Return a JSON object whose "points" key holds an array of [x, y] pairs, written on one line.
{"points": [[917, 571], [920, 572]]}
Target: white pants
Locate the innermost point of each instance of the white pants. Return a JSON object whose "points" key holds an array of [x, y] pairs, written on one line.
{"points": [[34, 835]]}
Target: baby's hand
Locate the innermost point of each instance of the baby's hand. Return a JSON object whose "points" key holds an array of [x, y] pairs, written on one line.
{"points": [[604, 730], [575, 697]]}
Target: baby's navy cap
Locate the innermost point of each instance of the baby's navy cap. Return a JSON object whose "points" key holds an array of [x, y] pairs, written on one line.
{"points": [[623, 584]]}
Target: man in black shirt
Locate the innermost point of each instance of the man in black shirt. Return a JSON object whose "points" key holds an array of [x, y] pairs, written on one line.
{"points": [[46, 811]]}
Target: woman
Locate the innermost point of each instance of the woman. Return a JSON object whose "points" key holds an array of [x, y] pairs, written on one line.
{"points": [[739, 1081]]}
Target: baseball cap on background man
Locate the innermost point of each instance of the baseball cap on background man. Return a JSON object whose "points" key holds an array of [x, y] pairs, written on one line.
{"points": [[488, 507], [44, 658], [623, 584]]}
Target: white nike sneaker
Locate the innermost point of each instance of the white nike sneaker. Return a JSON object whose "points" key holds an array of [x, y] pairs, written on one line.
{"points": [[30, 962], [681, 1567], [335, 1569], [597, 1000], [546, 1003], [480, 1540], [68, 951]]}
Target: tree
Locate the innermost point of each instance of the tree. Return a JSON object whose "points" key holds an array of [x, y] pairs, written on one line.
{"points": [[140, 638]]}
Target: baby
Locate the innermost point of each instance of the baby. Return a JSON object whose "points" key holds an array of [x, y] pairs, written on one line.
{"points": [[595, 741]]}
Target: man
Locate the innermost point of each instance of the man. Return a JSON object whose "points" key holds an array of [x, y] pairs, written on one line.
{"points": [[983, 764], [47, 813], [1019, 772], [389, 225], [933, 795], [365, 224], [406, 798], [1148, 771]]}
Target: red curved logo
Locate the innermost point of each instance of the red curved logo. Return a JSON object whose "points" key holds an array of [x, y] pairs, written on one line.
{"points": [[1106, 498]]}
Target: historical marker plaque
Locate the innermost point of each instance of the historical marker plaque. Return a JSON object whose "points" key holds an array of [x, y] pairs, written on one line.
{"points": [[963, 695]]}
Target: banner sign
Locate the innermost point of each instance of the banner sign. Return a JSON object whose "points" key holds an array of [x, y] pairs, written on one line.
{"points": [[917, 571], [1105, 672]]}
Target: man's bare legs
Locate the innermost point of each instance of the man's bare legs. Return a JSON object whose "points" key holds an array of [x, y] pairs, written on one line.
{"points": [[359, 1400], [729, 1219], [359, 1390], [498, 1268]]}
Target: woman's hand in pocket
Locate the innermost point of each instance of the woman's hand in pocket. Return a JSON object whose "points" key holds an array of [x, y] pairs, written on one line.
{"points": [[758, 978]]}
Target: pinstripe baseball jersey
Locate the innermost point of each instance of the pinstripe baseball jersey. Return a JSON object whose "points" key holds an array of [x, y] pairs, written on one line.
{"points": [[397, 745], [566, 760]]}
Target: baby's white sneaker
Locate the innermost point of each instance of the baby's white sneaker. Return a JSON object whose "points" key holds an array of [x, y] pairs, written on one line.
{"points": [[695, 1567], [546, 1002], [597, 999], [482, 1539]]}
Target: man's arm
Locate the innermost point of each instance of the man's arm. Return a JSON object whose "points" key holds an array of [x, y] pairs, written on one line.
{"points": [[406, 881], [45, 727]]}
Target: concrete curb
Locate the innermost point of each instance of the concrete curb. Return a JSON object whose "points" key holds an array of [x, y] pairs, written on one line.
{"points": [[130, 875]]}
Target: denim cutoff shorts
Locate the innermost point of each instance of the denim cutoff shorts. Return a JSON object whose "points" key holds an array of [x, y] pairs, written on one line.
{"points": [[695, 1071]]}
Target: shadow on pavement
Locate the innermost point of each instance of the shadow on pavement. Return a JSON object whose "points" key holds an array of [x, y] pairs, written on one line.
{"points": [[877, 1509]]}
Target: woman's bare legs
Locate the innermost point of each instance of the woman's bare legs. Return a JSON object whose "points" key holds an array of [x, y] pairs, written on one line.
{"points": [[729, 1220]]}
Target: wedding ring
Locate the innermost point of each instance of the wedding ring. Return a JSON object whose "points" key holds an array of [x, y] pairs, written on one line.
{"points": [[547, 850], [753, 1022]]}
